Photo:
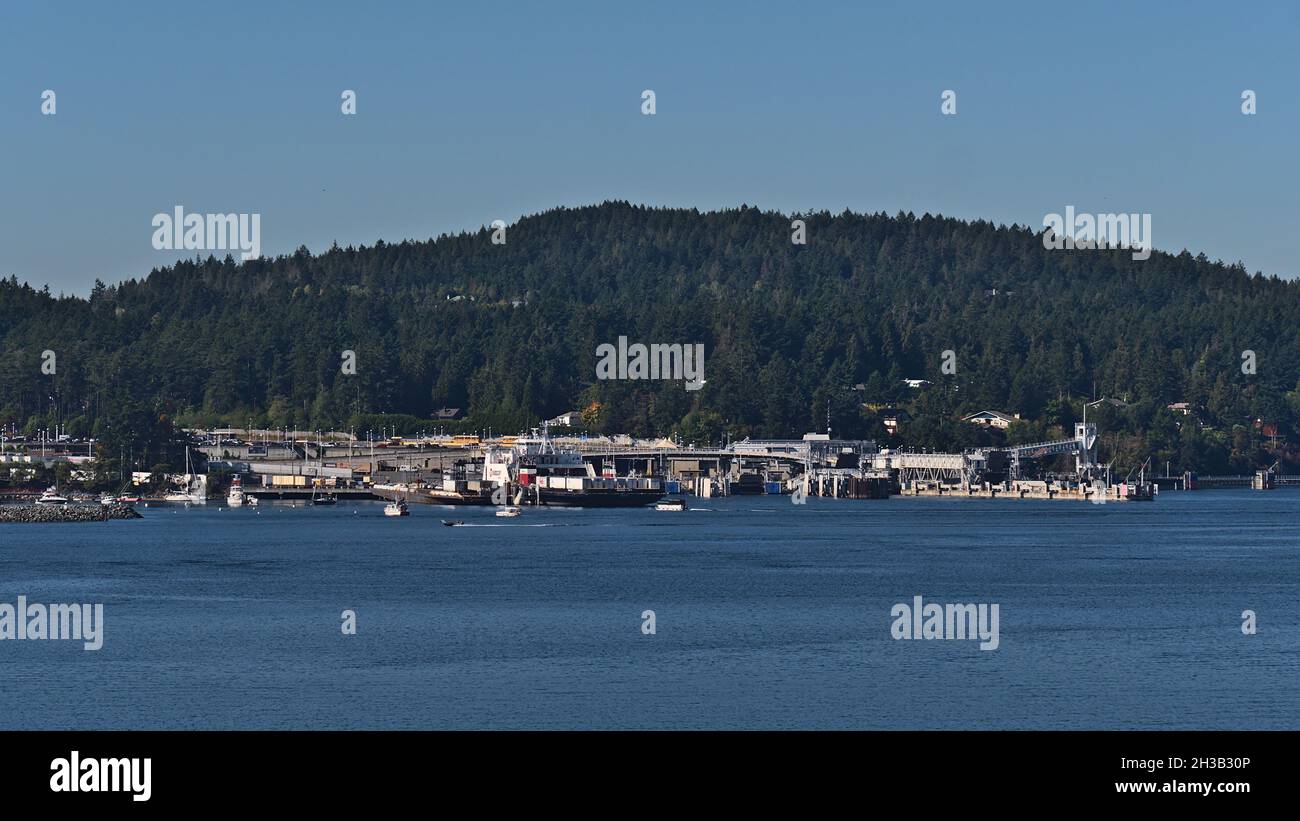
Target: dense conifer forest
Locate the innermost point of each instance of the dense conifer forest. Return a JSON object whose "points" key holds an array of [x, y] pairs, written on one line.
{"points": [[794, 335]]}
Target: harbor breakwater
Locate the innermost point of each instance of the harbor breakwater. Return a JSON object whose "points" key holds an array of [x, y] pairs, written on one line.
{"points": [[36, 514]]}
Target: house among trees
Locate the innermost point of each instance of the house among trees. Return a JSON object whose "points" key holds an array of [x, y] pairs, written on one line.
{"points": [[568, 419], [447, 413], [991, 419], [1180, 407], [1267, 429], [892, 418]]}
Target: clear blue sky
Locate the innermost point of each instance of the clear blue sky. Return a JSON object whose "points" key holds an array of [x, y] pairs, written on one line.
{"points": [[473, 112]]}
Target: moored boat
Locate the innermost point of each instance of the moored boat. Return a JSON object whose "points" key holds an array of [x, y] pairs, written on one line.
{"points": [[51, 497], [396, 508], [548, 475], [188, 490]]}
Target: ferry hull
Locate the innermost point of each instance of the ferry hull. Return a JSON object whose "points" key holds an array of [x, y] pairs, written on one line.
{"points": [[550, 498], [596, 498], [435, 497]]}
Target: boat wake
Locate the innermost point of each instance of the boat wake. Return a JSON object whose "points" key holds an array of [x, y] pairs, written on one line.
{"points": [[544, 524]]}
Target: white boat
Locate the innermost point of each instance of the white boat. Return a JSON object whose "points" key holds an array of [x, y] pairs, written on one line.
{"points": [[187, 493], [108, 499], [235, 498], [51, 497], [547, 474], [252, 501], [508, 512], [396, 508], [671, 504]]}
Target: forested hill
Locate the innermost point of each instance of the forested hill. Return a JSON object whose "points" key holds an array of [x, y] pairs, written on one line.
{"points": [[788, 330]]}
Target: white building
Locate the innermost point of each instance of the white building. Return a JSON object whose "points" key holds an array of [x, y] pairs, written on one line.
{"points": [[992, 419]]}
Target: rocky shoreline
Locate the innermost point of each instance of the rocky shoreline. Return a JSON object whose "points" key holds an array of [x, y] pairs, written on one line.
{"points": [[65, 513]]}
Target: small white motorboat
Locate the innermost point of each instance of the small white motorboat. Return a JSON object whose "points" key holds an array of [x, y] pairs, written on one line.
{"points": [[671, 504], [509, 512], [396, 508]]}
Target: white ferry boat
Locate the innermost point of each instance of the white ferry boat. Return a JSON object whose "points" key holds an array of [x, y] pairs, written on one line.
{"points": [[547, 475]]}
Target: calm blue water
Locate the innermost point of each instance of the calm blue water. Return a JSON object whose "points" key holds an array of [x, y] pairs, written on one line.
{"points": [[769, 615]]}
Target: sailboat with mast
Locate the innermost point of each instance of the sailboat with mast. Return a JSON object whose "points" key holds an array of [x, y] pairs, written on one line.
{"points": [[189, 490], [323, 498]]}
